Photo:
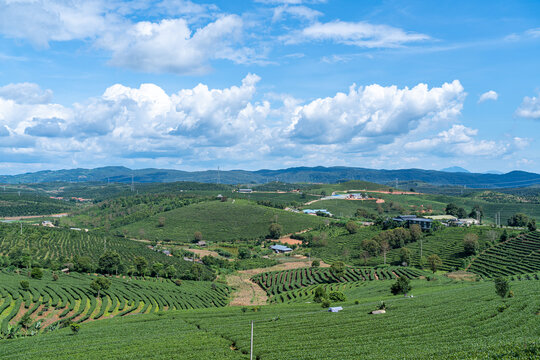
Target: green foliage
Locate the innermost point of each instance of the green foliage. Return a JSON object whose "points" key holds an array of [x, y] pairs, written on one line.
{"points": [[319, 294], [225, 221], [75, 328], [99, 284], [275, 230], [110, 262], [405, 255], [470, 243], [519, 219], [25, 285], [434, 262], [401, 286], [36, 273], [351, 227], [325, 303], [315, 263], [531, 225], [338, 268], [337, 296], [502, 286]]}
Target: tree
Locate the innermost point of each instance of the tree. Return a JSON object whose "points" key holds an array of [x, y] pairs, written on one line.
{"points": [[351, 227], [275, 230], [502, 287], [504, 236], [25, 321], [416, 232], [36, 273], [315, 263], [156, 268], [451, 209], [461, 213], [197, 236], [519, 220], [477, 212], [470, 243], [384, 248], [401, 286], [338, 268], [140, 263], [83, 264], [244, 253], [75, 328], [25, 285], [109, 262], [371, 246], [532, 225], [434, 262], [170, 271], [99, 284], [336, 296], [405, 256], [319, 294], [161, 221]]}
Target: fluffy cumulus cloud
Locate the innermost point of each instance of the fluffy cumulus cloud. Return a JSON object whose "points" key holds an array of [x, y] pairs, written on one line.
{"points": [[42, 21], [26, 93], [299, 11], [488, 95], [202, 126], [374, 111], [361, 34], [529, 108], [171, 46], [461, 140]]}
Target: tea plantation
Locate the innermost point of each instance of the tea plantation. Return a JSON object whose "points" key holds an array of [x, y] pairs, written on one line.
{"points": [[444, 320]]}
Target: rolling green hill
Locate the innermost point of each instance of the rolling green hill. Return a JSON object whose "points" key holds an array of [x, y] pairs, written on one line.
{"points": [[444, 320], [219, 221]]}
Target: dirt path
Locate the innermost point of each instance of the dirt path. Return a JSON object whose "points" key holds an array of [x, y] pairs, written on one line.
{"points": [[248, 293]]}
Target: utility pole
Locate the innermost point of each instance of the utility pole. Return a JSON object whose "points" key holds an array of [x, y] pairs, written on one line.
{"points": [[396, 183], [251, 348], [218, 175]]}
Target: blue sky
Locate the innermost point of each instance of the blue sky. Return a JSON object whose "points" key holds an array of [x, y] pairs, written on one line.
{"points": [[269, 84]]}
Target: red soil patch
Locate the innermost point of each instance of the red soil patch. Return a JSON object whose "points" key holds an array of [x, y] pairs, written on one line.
{"points": [[289, 241]]}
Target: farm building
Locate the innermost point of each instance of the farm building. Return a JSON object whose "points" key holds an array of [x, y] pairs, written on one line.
{"points": [[335, 309], [245, 191], [408, 220], [280, 249]]}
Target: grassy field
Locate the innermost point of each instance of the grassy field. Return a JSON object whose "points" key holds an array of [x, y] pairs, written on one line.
{"points": [[219, 221], [445, 320]]}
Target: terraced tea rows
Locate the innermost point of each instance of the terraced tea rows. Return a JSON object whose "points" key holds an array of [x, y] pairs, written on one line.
{"points": [[277, 282], [305, 294], [60, 245], [518, 255], [70, 298]]}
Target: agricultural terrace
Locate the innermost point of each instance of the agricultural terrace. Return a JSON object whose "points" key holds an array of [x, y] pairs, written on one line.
{"points": [[25, 204], [47, 246], [277, 282], [518, 255], [50, 303], [445, 320], [219, 221]]}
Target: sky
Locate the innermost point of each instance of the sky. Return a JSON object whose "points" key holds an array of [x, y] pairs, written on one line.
{"points": [[196, 85]]}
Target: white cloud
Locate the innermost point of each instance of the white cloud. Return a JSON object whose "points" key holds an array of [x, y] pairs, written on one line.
{"points": [[489, 95], [41, 21], [302, 12], [26, 93], [171, 46], [374, 112], [529, 108], [361, 34], [460, 140]]}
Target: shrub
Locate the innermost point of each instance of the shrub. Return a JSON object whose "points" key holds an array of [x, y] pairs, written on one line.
{"points": [[178, 282], [351, 227], [401, 286], [75, 328], [501, 286], [337, 296], [320, 294], [325, 303], [25, 285], [315, 263], [55, 276], [36, 273]]}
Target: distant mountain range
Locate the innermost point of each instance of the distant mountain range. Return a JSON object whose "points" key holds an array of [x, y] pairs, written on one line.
{"points": [[291, 175], [455, 169]]}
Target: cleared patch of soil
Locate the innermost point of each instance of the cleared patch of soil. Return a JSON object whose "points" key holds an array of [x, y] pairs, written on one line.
{"points": [[461, 275]]}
